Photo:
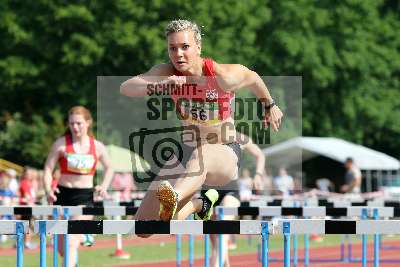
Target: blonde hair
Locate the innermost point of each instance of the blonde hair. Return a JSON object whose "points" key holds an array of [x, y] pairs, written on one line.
{"points": [[81, 110], [183, 25]]}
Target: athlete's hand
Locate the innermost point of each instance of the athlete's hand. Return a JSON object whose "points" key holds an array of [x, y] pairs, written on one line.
{"points": [[51, 196], [273, 117], [102, 191]]}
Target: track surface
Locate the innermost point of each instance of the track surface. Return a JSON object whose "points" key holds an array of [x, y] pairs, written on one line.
{"points": [[248, 260]]}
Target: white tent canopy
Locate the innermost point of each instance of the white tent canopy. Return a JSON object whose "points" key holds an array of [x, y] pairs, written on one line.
{"points": [[299, 149]]}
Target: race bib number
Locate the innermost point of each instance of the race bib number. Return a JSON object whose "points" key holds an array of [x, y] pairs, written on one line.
{"points": [[80, 163], [199, 112]]}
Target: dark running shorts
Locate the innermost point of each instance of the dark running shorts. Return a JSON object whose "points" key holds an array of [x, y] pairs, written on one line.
{"points": [[187, 152], [74, 196]]}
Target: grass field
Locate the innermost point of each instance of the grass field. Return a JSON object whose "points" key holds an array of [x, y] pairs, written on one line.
{"points": [[160, 251]]}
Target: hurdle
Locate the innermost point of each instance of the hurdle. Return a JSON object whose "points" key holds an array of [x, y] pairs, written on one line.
{"points": [[54, 211], [127, 210], [312, 202], [286, 227], [297, 211], [18, 228], [307, 197], [259, 211], [66, 211], [248, 227], [133, 203], [361, 212], [72, 210], [272, 211], [332, 202], [317, 226], [27, 210], [100, 210]]}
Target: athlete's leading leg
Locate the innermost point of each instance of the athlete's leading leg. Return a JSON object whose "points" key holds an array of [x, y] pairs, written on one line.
{"points": [[150, 205], [219, 163], [214, 165]]}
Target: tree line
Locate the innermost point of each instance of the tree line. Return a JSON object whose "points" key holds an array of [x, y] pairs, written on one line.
{"points": [[347, 52]]}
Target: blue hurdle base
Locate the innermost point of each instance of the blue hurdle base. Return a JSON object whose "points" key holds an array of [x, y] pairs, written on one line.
{"points": [[301, 260], [389, 247], [380, 260]]}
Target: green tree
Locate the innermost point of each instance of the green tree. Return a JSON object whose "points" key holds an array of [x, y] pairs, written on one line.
{"points": [[348, 55], [347, 52]]}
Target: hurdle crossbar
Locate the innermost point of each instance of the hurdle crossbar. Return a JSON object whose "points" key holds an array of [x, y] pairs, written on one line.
{"points": [[309, 211], [150, 227]]}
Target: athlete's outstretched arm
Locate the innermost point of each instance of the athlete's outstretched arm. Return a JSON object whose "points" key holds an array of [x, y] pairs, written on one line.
{"points": [[232, 77], [137, 86]]}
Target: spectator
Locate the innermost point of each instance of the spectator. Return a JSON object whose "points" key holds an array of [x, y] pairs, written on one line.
{"points": [[352, 178], [284, 183], [13, 183], [325, 185], [123, 185], [27, 196], [27, 192], [265, 187], [5, 198], [8, 187]]}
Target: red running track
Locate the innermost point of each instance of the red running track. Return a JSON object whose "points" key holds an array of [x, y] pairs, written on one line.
{"points": [[331, 252], [247, 260]]}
